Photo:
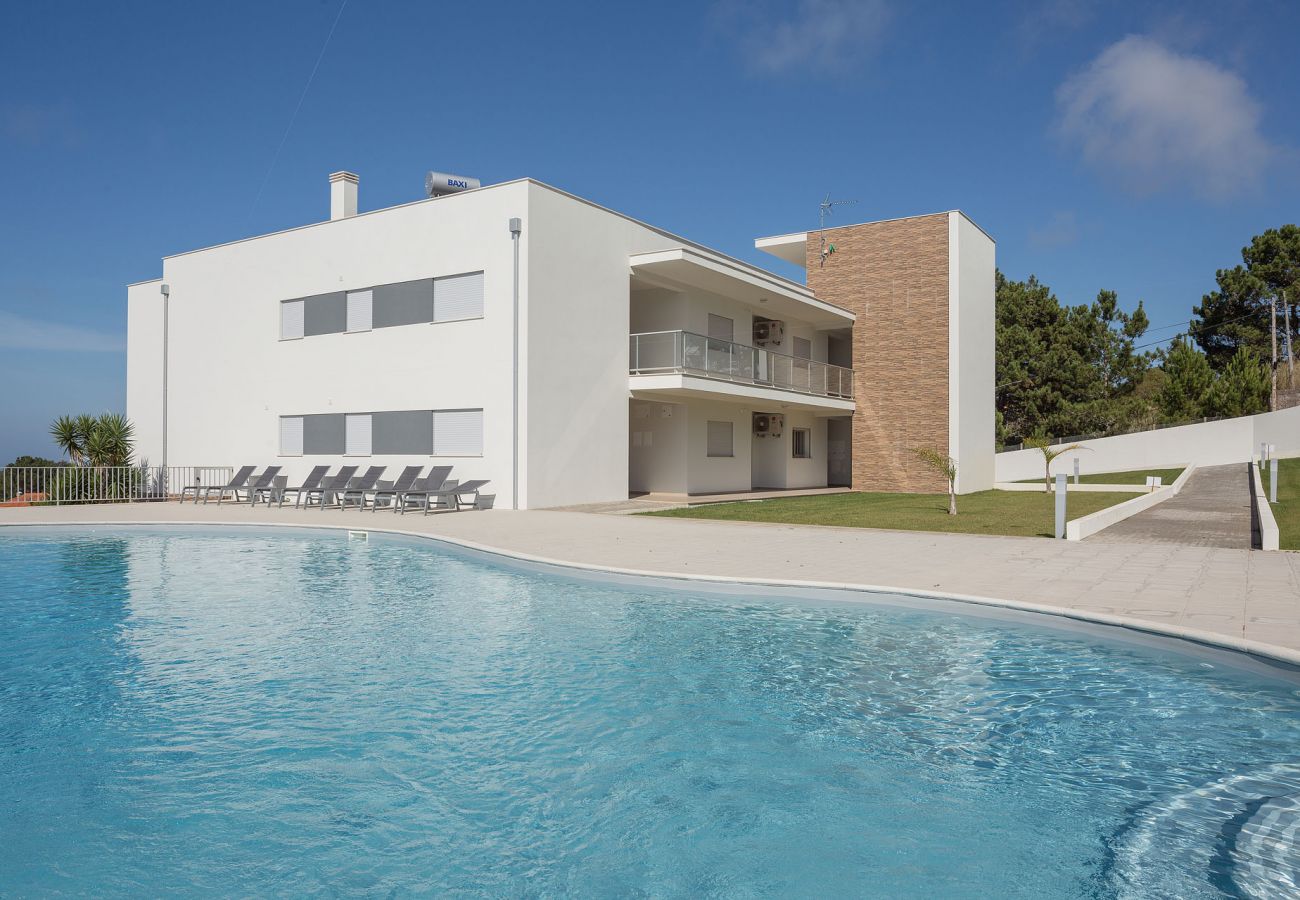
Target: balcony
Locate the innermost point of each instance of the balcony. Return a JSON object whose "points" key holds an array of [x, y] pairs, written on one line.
{"points": [[695, 356]]}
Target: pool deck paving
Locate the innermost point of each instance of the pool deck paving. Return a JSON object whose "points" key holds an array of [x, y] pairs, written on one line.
{"points": [[1212, 510], [1236, 597]]}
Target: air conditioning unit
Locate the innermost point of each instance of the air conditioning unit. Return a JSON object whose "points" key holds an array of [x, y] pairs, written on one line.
{"points": [[768, 424], [768, 333]]}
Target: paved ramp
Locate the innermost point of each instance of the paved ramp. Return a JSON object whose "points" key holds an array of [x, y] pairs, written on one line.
{"points": [[1212, 510]]}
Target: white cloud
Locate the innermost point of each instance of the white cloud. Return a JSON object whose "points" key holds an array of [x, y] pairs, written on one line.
{"points": [[1158, 119], [1060, 231], [822, 35], [21, 333]]}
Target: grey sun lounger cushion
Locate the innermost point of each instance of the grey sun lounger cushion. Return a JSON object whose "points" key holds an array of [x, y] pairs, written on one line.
{"points": [[239, 479]]}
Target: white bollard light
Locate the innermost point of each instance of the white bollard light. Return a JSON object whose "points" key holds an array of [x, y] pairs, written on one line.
{"points": [[1076, 470], [1272, 479], [1060, 506]]}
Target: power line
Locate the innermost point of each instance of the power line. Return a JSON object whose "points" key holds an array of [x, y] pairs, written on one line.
{"points": [[293, 118]]}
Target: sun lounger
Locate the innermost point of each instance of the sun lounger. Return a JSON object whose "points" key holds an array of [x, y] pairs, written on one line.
{"points": [[404, 482], [357, 488], [273, 493], [238, 481], [451, 495], [329, 486], [252, 485], [423, 487], [310, 483]]}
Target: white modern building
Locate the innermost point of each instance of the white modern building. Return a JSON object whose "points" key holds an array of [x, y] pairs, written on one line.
{"points": [[566, 352]]}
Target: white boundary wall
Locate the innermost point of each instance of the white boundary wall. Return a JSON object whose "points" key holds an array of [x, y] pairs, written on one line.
{"points": [[1270, 537], [1205, 444]]}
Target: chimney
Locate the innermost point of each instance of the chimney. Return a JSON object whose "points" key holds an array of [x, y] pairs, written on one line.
{"points": [[343, 195]]}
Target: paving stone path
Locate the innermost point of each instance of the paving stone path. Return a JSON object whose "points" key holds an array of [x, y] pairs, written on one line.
{"points": [[1212, 510]]}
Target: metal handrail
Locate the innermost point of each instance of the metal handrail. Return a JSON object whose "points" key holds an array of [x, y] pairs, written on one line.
{"points": [[57, 485], [688, 353]]}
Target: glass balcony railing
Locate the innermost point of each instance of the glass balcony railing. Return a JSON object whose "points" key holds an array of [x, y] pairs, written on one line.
{"points": [[687, 353]]}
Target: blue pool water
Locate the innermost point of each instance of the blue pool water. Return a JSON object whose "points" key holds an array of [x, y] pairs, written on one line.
{"points": [[253, 712]]}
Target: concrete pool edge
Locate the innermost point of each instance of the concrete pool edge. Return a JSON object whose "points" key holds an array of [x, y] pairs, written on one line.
{"points": [[1257, 649]]}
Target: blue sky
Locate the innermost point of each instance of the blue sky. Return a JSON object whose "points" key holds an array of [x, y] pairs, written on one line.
{"points": [[1127, 146]]}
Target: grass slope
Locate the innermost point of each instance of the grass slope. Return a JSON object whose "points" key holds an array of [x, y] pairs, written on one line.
{"points": [[987, 512], [1138, 477], [1287, 508]]}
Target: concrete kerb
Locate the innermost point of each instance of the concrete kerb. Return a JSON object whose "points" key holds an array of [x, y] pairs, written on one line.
{"points": [[1270, 537], [1267, 652], [1086, 526], [1071, 488]]}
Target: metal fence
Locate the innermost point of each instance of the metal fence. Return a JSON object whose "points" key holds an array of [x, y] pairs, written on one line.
{"points": [[687, 353], [56, 485], [1076, 438]]}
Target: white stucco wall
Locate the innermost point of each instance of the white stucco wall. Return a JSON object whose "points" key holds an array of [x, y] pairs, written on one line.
{"points": [[144, 362], [711, 475], [577, 329], [657, 447], [232, 377], [971, 349], [1206, 444]]}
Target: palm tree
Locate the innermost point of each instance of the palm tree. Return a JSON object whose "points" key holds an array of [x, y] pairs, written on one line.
{"points": [[67, 434], [111, 440], [1043, 444], [946, 466]]}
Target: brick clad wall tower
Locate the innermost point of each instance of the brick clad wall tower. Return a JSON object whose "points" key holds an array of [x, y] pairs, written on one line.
{"points": [[922, 291]]}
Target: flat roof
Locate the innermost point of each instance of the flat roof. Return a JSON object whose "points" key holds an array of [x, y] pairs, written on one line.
{"points": [[758, 270], [792, 247]]}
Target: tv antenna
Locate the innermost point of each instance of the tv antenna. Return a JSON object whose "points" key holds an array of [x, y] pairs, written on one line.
{"points": [[827, 207]]}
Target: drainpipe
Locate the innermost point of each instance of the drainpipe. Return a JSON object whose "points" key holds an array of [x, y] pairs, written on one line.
{"points": [[166, 292], [516, 229]]}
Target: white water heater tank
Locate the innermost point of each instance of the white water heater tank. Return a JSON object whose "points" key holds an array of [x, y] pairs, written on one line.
{"points": [[438, 184]]}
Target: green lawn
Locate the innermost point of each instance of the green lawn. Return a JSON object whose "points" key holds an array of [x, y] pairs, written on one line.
{"points": [[1022, 513], [1287, 508], [1138, 477]]}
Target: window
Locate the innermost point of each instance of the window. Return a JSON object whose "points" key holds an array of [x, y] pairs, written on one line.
{"points": [[291, 320], [324, 435], [404, 303], [360, 305], [291, 435], [721, 328], [458, 297], [801, 443], [402, 433], [719, 439], [325, 314], [458, 432], [356, 440]]}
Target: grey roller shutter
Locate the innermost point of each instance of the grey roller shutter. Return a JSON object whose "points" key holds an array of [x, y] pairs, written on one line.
{"points": [[291, 319], [359, 310], [458, 432], [458, 297], [291, 435], [357, 439], [720, 439]]}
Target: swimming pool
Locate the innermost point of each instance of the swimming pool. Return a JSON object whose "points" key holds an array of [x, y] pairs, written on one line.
{"points": [[247, 711]]}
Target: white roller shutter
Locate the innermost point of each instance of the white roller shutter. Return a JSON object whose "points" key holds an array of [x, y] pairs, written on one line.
{"points": [[458, 297], [291, 435], [291, 319], [719, 439], [360, 306], [458, 432], [356, 440]]}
